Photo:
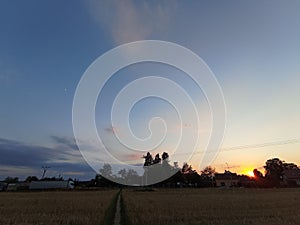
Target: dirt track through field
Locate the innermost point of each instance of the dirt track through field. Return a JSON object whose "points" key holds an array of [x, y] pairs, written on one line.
{"points": [[117, 219]]}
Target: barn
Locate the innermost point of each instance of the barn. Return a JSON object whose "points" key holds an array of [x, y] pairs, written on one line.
{"points": [[44, 185], [3, 186], [226, 179]]}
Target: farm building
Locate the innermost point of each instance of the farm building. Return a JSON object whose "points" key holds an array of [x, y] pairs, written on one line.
{"points": [[43, 185], [226, 179], [3, 186], [291, 177], [12, 187], [20, 186]]}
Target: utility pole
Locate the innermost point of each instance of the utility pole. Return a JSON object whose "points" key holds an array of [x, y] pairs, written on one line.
{"points": [[230, 174]]}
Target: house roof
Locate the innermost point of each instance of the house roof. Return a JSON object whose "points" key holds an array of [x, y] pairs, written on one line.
{"points": [[226, 176]]}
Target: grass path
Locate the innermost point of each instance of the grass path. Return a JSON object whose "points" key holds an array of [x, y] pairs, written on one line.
{"points": [[117, 219]]}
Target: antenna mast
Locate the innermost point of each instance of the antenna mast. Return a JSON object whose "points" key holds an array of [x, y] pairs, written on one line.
{"points": [[45, 168]]}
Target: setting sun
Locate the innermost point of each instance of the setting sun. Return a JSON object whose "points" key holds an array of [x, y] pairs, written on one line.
{"points": [[250, 173]]}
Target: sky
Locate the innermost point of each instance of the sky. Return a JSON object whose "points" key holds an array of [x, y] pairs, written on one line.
{"points": [[252, 47]]}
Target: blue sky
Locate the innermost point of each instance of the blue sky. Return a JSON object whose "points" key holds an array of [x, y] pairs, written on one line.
{"points": [[252, 47]]}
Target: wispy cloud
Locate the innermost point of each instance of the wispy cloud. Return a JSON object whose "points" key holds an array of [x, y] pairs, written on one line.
{"points": [[130, 20], [68, 142], [21, 159], [112, 130]]}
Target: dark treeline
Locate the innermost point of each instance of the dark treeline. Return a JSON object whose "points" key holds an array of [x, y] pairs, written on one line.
{"points": [[184, 176], [277, 173]]}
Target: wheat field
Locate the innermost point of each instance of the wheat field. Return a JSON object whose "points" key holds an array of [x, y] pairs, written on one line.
{"points": [[161, 206], [214, 207], [55, 207]]}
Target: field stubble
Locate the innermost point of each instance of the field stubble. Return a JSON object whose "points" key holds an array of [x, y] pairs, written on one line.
{"points": [[55, 208], [214, 207]]}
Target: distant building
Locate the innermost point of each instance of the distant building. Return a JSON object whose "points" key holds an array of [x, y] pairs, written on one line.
{"points": [[20, 186], [3, 186], [12, 187], [291, 177], [44, 185], [226, 179]]}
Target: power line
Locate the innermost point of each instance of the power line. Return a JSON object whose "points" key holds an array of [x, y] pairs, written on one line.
{"points": [[260, 145], [234, 148]]}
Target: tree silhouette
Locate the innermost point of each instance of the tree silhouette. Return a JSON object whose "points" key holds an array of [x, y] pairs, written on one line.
{"points": [[207, 176], [290, 166], [103, 179], [106, 170], [157, 159], [260, 179], [31, 178], [165, 156], [123, 173], [274, 170], [187, 169], [11, 180], [158, 168], [258, 174], [130, 175], [148, 159], [190, 176], [208, 172]]}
